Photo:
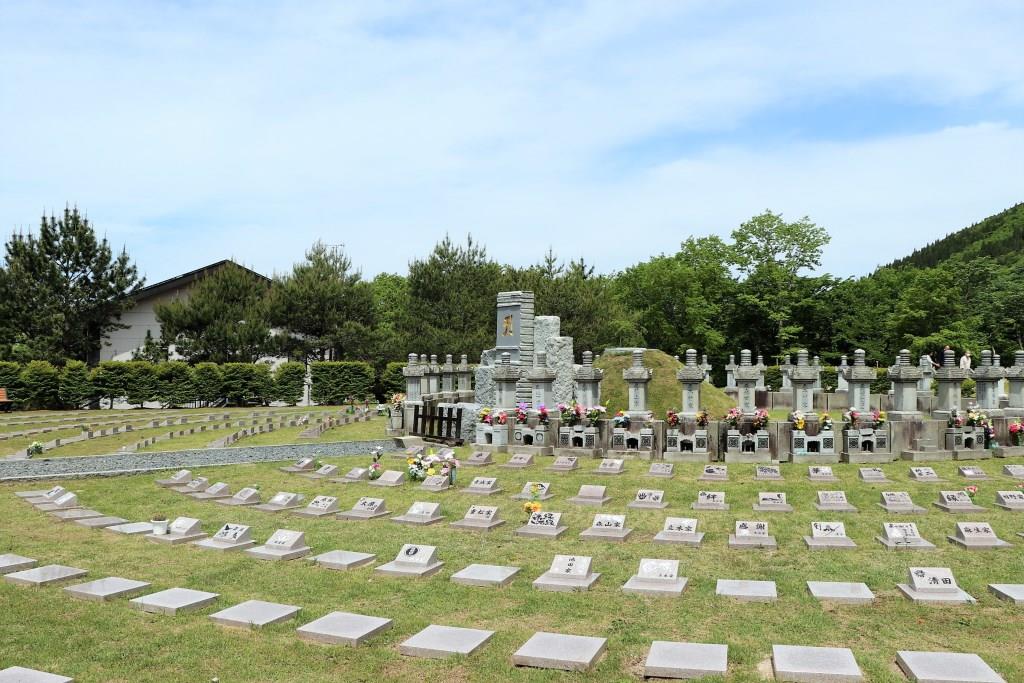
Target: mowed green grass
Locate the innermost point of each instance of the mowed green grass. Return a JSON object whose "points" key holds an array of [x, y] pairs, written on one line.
{"points": [[93, 642]]}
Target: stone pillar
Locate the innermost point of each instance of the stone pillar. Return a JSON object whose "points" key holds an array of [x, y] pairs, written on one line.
{"points": [[785, 368], [802, 378], [705, 367], [542, 379], [464, 380], [588, 382], [448, 378], [730, 371], [514, 330], [924, 385], [905, 379], [746, 376], [506, 376], [858, 378], [841, 384], [987, 378], [816, 364], [690, 377], [637, 376], [413, 373], [1015, 378], [950, 378], [760, 367]]}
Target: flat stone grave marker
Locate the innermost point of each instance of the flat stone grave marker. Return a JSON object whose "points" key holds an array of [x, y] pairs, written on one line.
{"points": [[413, 561], [873, 475], [483, 486], [564, 463], [900, 503], [100, 522], [841, 592], [828, 535], [322, 472], [303, 465], [437, 642], [946, 667], [668, 659], [518, 461], [228, 538], [173, 600], [610, 466], [74, 513], [656, 577], [568, 573], [131, 528], [181, 530], [366, 508], [650, 499], [283, 544], [320, 506], [680, 530], [65, 501], [747, 591], [353, 476], [479, 459], [47, 496], [1013, 592], [933, 585], [194, 486], [216, 492], [436, 483], [772, 501], [833, 501], [590, 494], [924, 474], [801, 663], [956, 501], [254, 614], [1010, 500], [343, 559], [282, 500], [24, 495], [343, 628], [389, 478], [528, 493], [420, 513], [179, 478], [1015, 471], [768, 473], [607, 528], [45, 575], [714, 473], [490, 575], [558, 651], [971, 472], [15, 563], [976, 536], [19, 674], [903, 536], [479, 518], [247, 496], [664, 470], [102, 590], [751, 534], [821, 473], [413, 451], [542, 524], [710, 500]]}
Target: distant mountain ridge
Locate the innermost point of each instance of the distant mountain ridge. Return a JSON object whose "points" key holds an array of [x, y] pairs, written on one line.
{"points": [[1000, 237]]}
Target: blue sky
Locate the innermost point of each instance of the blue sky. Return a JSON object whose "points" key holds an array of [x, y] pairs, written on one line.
{"points": [[195, 131]]}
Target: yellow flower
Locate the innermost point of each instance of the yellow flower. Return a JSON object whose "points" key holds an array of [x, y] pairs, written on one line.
{"points": [[409, 461], [431, 471]]}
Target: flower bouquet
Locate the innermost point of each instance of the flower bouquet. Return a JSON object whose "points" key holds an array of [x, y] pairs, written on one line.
{"points": [[825, 420], [397, 402], [878, 419], [376, 469], [760, 420], [593, 414], [35, 448], [1016, 432], [672, 419], [798, 420], [542, 415], [956, 420], [971, 490], [621, 419], [733, 417], [703, 418], [484, 416], [521, 415]]}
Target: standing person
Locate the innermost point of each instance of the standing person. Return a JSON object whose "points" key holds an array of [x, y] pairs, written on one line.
{"points": [[931, 357], [965, 361]]}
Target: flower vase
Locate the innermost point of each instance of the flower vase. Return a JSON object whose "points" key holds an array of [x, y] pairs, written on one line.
{"points": [[451, 476]]}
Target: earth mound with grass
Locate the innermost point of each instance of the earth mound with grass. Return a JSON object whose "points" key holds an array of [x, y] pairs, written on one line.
{"points": [[663, 392]]}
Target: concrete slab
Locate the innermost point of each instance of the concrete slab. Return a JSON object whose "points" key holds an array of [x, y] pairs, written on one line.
{"points": [[710, 500], [957, 595], [100, 522], [366, 508], [437, 642], [320, 506], [254, 614], [10, 563], [590, 494], [815, 664], [45, 575], [77, 513], [648, 499], [343, 628], [19, 674], [343, 559], [559, 651], [229, 538], [173, 600], [490, 575], [946, 667], [421, 514], [747, 591], [668, 659], [102, 590], [840, 592], [662, 470], [479, 518], [1013, 592], [131, 528], [607, 528]]}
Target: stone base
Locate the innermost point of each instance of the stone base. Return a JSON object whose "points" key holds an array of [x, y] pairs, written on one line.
{"points": [[741, 542], [477, 526], [665, 588], [315, 514], [527, 496], [604, 534], [814, 458], [953, 509], [773, 508], [1010, 508], [901, 510], [926, 456], [709, 506], [747, 591], [174, 539], [991, 544], [212, 544], [842, 593], [487, 575], [535, 450], [561, 652], [491, 448], [748, 457], [580, 452], [814, 664], [973, 454], [919, 544], [407, 570], [593, 502], [559, 583], [434, 489], [1007, 451], [679, 538], [266, 553], [541, 532], [481, 492], [688, 456], [343, 559], [827, 543], [360, 516], [628, 455], [835, 508], [868, 458], [1013, 592], [342, 628], [647, 506], [934, 598], [416, 520], [267, 507]]}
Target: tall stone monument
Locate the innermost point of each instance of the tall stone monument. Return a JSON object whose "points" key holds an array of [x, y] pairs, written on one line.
{"points": [[987, 378], [951, 379], [905, 379], [637, 377], [690, 378]]}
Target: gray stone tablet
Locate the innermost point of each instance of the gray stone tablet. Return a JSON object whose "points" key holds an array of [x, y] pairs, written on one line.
{"points": [[343, 628], [31, 494], [366, 508], [714, 473], [833, 501], [181, 530], [15, 563], [173, 600], [247, 496], [872, 475], [710, 500], [1015, 471], [656, 577], [66, 501], [956, 501], [194, 486], [436, 483], [747, 591], [768, 473], [343, 559], [924, 474], [19, 674], [821, 473], [320, 506], [483, 486], [933, 585], [900, 503], [1010, 500], [1013, 592], [610, 466], [590, 494], [47, 496], [254, 614], [478, 459], [76, 513], [479, 518], [903, 536], [841, 592], [322, 472], [680, 530], [977, 536], [284, 544], [558, 651], [649, 499], [815, 664], [131, 528], [420, 513], [45, 575], [436, 642], [607, 528], [828, 535], [229, 537], [518, 461], [971, 472], [772, 501], [535, 490], [662, 470], [564, 463], [946, 667], [218, 491], [568, 573], [304, 465], [485, 575], [179, 478], [389, 478], [413, 560], [282, 500], [109, 588], [100, 522], [751, 534], [353, 476], [542, 525], [686, 660]]}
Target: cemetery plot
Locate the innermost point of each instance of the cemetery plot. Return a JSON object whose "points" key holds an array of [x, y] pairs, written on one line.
{"points": [[714, 473], [343, 628], [519, 461], [366, 508], [100, 522], [872, 475], [564, 463], [490, 575], [320, 506], [557, 651], [322, 472], [663, 470], [74, 513], [106, 589], [483, 486], [247, 496], [686, 660], [437, 642], [956, 501], [44, 576], [710, 500], [282, 500], [254, 614], [752, 534], [353, 476], [131, 528], [924, 474], [650, 499], [656, 577], [343, 559], [933, 585], [568, 573], [414, 561], [841, 592], [1015, 471], [179, 478], [420, 513], [535, 490], [976, 536], [195, 486], [230, 537], [542, 524], [946, 666], [215, 492], [436, 483], [903, 536], [607, 528], [590, 495], [1010, 500], [828, 535], [389, 478], [181, 530], [479, 518], [680, 530], [610, 466], [1012, 592], [900, 503], [768, 473], [284, 544], [19, 674], [971, 472], [833, 501], [813, 664], [821, 473], [747, 591], [478, 459], [10, 562], [772, 501]]}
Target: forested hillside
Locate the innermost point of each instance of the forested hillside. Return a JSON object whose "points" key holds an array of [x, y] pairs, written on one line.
{"points": [[1000, 237]]}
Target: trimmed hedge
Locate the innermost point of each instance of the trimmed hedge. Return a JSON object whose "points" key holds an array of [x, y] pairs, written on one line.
{"points": [[289, 382], [391, 381], [339, 382]]}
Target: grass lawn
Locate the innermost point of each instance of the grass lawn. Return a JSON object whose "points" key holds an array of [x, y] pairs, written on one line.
{"points": [[101, 642]]}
